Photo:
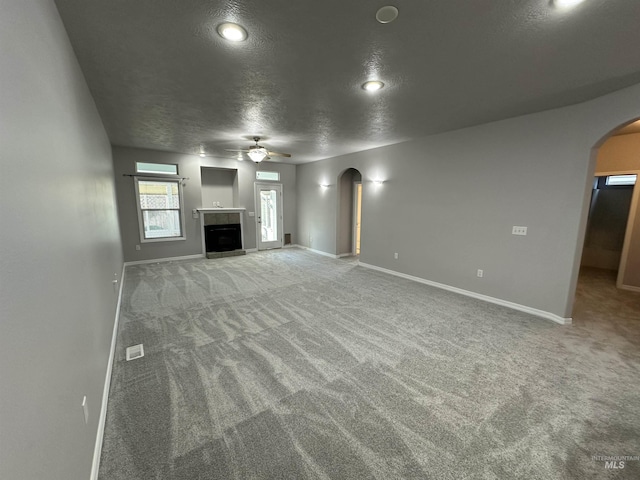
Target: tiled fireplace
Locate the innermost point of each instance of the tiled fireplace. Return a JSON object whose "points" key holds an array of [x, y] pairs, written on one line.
{"points": [[222, 232]]}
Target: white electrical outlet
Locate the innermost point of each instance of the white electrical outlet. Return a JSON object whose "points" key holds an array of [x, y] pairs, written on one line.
{"points": [[85, 409], [519, 230], [395, 255], [137, 247], [480, 273], [194, 213]]}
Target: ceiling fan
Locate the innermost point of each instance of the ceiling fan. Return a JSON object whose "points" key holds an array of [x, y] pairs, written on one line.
{"points": [[257, 153]]}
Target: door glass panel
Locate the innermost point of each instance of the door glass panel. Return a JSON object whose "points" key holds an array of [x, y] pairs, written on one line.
{"points": [[269, 215]]}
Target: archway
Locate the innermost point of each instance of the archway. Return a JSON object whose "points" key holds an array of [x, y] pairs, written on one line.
{"points": [[349, 212], [610, 255]]}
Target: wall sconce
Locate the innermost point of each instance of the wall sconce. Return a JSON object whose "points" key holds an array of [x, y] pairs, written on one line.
{"points": [[377, 182], [324, 185]]}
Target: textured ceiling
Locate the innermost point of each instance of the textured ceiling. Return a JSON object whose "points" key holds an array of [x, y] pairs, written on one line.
{"points": [[162, 77]]}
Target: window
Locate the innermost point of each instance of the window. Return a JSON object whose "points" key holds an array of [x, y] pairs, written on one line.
{"points": [[160, 212], [268, 176], [615, 181], [621, 180], [161, 168]]}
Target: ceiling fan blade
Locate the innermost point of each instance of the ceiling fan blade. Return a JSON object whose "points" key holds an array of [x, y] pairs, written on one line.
{"points": [[276, 154], [229, 150]]}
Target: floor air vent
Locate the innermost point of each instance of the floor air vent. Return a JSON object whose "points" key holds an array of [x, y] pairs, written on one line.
{"points": [[137, 351]]}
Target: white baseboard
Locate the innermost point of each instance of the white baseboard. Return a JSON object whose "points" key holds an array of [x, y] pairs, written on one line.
{"points": [[629, 288], [251, 250], [515, 306], [168, 259], [319, 252], [97, 450]]}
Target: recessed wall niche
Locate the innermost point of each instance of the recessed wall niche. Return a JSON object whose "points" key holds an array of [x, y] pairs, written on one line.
{"points": [[219, 187]]}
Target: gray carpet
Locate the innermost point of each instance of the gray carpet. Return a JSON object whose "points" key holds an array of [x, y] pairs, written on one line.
{"points": [[288, 365]]}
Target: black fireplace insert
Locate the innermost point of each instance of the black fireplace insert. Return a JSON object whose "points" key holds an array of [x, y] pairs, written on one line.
{"points": [[222, 238]]}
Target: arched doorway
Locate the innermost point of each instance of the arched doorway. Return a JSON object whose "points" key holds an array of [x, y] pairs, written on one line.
{"points": [[611, 247], [349, 213]]}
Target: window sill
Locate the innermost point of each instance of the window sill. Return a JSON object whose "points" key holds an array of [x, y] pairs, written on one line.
{"points": [[162, 239]]}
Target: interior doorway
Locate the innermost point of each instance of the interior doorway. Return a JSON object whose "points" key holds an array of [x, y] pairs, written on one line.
{"points": [[357, 216], [612, 234], [269, 215], [609, 210], [349, 215], [611, 247]]}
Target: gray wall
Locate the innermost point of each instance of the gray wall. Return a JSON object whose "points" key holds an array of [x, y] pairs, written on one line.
{"points": [[218, 186], [449, 202], [59, 250], [190, 166]]}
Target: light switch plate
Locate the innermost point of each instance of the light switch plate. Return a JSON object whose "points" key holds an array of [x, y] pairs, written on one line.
{"points": [[519, 230]]}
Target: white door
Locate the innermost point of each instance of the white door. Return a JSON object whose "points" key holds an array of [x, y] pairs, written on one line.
{"points": [[269, 215]]}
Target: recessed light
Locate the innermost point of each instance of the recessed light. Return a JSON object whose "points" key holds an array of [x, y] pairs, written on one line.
{"points": [[566, 3], [372, 85], [202, 155], [387, 14], [232, 32]]}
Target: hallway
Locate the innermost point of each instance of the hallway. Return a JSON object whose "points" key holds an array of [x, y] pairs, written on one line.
{"points": [[602, 307]]}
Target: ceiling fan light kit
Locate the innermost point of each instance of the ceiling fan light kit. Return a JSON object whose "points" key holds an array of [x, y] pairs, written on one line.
{"points": [[257, 153]]}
